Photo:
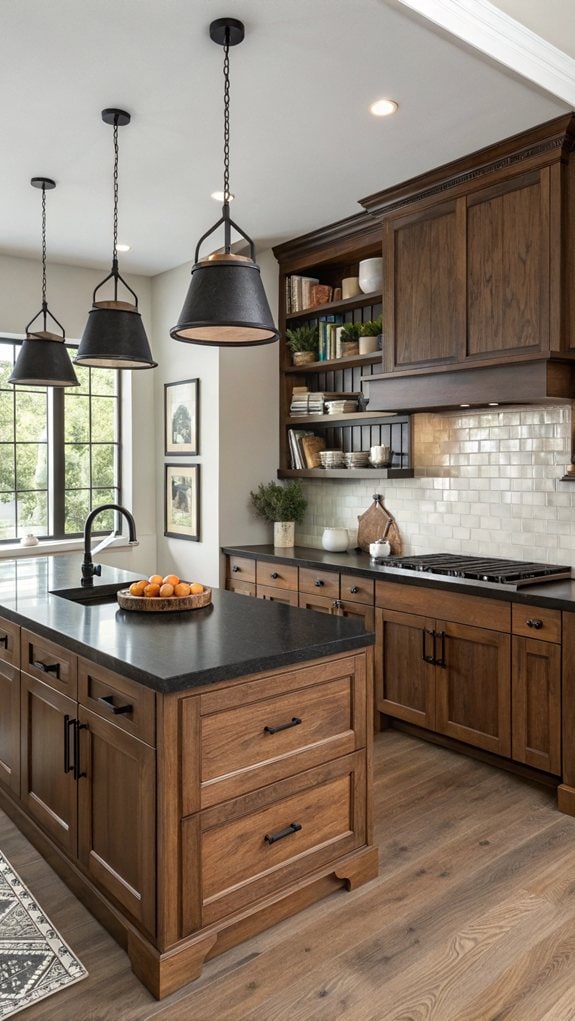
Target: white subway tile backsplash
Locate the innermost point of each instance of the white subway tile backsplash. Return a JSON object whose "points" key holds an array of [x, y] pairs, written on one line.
{"points": [[487, 482]]}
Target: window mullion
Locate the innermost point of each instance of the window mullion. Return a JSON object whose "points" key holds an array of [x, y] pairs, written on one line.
{"points": [[58, 463]]}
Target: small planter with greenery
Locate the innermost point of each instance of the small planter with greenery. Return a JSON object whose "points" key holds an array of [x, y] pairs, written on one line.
{"points": [[350, 340], [303, 342], [284, 505], [369, 338]]}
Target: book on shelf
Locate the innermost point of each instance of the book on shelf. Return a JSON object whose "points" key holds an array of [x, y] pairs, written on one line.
{"points": [[295, 438], [310, 448], [328, 327], [298, 292], [320, 294]]}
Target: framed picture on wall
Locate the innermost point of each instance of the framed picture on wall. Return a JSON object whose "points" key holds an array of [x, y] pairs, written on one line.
{"points": [[182, 501], [181, 418]]}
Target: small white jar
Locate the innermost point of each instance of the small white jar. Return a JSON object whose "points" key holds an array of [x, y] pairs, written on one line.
{"points": [[335, 540], [379, 548]]}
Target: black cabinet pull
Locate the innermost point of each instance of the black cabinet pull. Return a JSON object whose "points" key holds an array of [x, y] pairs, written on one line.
{"points": [[535, 622], [68, 723], [4, 641], [441, 660], [294, 722], [424, 633], [270, 838], [235, 568], [319, 583], [76, 769], [354, 590], [47, 668], [106, 701], [274, 574]]}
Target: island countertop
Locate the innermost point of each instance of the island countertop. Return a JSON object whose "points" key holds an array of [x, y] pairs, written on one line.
{"points": [[168, 652]]}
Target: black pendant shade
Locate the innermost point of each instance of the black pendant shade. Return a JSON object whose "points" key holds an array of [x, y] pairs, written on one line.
{"points": [[114, 336], [43, 359], [226, 305]]}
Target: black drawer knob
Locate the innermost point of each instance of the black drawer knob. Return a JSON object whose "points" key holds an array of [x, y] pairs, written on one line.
{"points": [[535, 622], [235, 568], [274, 574], [319, 583], [354, 590], [270, 838]]}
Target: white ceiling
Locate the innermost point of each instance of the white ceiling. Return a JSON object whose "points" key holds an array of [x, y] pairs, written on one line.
{"points": [[304, 146]]}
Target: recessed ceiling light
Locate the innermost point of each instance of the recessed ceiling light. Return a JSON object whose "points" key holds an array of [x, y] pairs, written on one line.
{"points": [[465, 405], [219, 196], [123, 248], [383, 107], [493, 404]]}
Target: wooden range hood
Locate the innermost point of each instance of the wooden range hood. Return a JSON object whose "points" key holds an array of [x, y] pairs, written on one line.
{"points": [[479, 270]]}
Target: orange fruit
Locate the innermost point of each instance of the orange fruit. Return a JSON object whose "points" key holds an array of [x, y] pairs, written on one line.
{"points": [[137, 588], [196, 588], [166, 590], [151, 591], [171, 579], [182, 589], [155, 579]]}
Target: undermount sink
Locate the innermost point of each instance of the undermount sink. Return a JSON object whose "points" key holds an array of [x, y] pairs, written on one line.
{"points": [[90, 596]]}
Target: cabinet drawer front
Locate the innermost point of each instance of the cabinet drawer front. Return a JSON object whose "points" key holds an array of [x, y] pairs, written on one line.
{"points": [[241, 588], [437, 602], [277, 595], [325, 583], [49, 663], [536, 622], [276, 575], [9, 643], [254, 846], [241, 569], [355, 589], [119, 700], [320, 603], [247, 747]]}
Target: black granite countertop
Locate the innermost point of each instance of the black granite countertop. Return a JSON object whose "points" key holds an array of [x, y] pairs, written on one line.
{"points": [[169, 651], [559, 595]]}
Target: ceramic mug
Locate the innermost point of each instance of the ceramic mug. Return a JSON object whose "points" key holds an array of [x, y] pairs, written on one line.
{"points": [[350, 287]]}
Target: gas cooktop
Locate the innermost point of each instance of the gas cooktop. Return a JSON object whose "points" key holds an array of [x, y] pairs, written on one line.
{"points": [[511, 574]]}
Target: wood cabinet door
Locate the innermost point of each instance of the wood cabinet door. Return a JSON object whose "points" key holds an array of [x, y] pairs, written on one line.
{"points": [[405, 675], [424, 297], [357, 611], [10, 727], [242, 588], [277, 595], [508, 246], [473, 685], [320, 603], [117, 815], [536, 700], [48, 789]]}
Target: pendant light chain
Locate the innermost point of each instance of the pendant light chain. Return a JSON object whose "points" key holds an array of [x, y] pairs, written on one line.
{"points": [[227, 117], [44, 302], [116, 154]]}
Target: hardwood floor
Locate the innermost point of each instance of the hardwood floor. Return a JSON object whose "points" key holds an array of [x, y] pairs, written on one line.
{"points": [[471, 919]]}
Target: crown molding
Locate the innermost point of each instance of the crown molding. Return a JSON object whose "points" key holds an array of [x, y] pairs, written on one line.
{"points": [[485, 27]]}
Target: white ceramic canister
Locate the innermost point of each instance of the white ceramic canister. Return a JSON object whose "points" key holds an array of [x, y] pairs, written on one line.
{"points": [[350, 287], [335, 540], [371, 275], [380, 548]]}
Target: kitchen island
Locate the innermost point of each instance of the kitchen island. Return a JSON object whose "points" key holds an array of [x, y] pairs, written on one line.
{"points": [[195, 777]]}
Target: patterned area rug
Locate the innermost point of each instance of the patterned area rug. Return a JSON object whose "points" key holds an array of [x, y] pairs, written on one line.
{"points": [[34, 959]]}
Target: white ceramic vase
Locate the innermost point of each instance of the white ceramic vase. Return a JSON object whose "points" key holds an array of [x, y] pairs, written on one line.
{"points": [[371, 275], [367, 345], [335, 540], [284, 533]]}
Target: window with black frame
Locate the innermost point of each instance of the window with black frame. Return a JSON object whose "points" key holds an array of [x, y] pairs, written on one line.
{"points": [[59, 452]]}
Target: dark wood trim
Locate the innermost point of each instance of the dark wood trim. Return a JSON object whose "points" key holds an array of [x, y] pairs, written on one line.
{"points": [[339, 237]]}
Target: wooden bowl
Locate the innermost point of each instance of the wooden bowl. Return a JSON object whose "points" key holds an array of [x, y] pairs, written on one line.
{"points": [[157, 604]]}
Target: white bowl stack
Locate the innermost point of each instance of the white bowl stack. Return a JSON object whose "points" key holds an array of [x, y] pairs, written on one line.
{"points": [[332, 458], [357, 459]]}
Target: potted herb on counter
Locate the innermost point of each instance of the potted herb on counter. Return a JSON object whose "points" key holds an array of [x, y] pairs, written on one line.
{"points": [[303, 342], [284, 505]]}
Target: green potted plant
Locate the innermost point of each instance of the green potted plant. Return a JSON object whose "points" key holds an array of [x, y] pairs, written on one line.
{"points": [[284, 505], [303, 342], [368, 337], [350, 339]]}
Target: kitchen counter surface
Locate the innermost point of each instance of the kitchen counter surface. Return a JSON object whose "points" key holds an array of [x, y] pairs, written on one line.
{"points": [[557, 594], [169, 651]]}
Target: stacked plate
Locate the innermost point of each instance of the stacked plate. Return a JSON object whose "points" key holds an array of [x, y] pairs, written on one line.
{"points": [[340, 407], [357, 459], [332, 458]]}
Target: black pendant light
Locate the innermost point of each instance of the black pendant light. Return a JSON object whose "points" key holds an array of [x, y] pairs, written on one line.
{"points": [[114, 336], [226, 304], [43, 358]]}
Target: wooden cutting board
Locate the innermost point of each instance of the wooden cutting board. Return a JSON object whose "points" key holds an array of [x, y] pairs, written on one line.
{"points": [[372, 525]]}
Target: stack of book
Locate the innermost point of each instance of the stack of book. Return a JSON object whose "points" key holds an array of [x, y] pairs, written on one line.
{"points": [[310, 402], [330, 338], [306, 292], [304, 448]]}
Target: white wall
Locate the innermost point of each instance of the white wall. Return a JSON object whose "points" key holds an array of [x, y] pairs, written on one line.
{"points": [[238, 428], [70, 298]]}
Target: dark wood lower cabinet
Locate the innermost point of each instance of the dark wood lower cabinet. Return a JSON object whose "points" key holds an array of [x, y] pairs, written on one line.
{"points": [[405, 674], [536, 694], [277, 595], [117, 815], [10, 727]]}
